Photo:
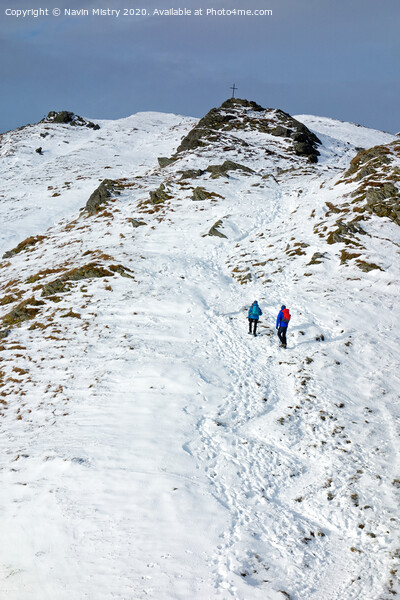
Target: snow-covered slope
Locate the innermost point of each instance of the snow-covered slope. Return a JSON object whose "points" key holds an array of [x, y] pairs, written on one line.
{"points": [[39, 189], [150, 447], [348, 133]]}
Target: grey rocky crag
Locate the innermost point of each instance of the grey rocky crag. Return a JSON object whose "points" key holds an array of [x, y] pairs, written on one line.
{"points": [[101, 195], [191, 173], [89, 271], [317, 258], [384, 202], [199, 194], [377, 173], [228, 165], [237, 114], [164, 161], [136, 223], [345, 233], [216, 170], [215, 232], [159, 195], [374, 177], [69, 118]]}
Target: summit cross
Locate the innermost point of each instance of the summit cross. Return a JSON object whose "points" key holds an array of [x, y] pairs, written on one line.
{"points": [[233, 88]]}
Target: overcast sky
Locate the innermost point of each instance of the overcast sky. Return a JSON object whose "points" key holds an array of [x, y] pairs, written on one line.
{"points": [[335, 58]]}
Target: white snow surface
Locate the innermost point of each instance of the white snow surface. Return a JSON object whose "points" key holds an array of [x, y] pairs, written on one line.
{"points": [[348, 133], [151, 448], [38, 190]]}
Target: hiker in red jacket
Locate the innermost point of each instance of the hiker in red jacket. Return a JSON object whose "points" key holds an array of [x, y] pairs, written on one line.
{"points": [[282, 322]]}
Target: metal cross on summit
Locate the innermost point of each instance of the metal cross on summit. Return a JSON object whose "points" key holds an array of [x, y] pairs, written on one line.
{"points": [[233, 88]]}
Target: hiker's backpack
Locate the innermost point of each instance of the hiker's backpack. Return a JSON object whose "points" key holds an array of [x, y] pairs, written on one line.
{"points": [[285, 315], [254, 311]]}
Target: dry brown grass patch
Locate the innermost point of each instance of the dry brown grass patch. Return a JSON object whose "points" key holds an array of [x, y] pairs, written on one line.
{"points": [[20, 371], [26, 244]]}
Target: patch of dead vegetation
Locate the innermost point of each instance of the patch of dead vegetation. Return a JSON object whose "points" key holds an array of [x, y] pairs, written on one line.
{"points": [[26, 244], [296, 250], [45, 273], [9, 299], [26, 310], [71, 314]]}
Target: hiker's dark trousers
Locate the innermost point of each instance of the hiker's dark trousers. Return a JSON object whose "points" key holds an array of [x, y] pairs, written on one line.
{"points": [[253, 323], [282, 335]]}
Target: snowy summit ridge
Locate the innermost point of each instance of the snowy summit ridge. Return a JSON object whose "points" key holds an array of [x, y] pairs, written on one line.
{"points": [[150, 447]]}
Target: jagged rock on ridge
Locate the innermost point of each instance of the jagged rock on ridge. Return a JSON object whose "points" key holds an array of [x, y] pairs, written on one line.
{"points": [[191, 173], [375, 157], [164, 161], [366, 267], [378, 179], [345, 232], [159, 195], [281, 131], [237, 114], [67, 117], [136, 223], [242, 103], [199, 193], [215, 232], [384, 202], [228, 165], [89, 271], [305, 149], [316, 258], [106, 189]]}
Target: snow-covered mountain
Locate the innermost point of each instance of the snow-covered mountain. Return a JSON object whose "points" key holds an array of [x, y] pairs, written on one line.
{"points": [[151, 448]]}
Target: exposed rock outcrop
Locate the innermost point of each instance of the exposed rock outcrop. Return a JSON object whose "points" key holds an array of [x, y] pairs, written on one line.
{"points": [[215, 232], [136, 223], [228, 165], [101, 195], [191, 173], [164, 161], [199, 194], [89, 271], [159, 195], [384, 202], [69, 118], [366, 162], [377, 172], [237, 114], [345, 232]]}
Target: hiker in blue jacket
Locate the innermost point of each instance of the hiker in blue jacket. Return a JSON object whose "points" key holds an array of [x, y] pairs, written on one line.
{"points": [[282, 322], [255, 313]]}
